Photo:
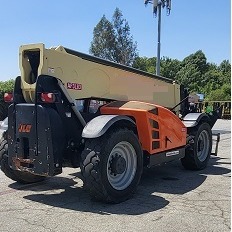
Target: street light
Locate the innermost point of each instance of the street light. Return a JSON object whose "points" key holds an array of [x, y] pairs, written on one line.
{"points": [[157, 5]]}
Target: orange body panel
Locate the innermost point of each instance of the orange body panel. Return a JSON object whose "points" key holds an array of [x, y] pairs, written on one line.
{"points": [[158, 128]]}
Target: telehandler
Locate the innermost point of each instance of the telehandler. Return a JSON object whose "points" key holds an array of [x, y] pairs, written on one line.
{"points": [[76, 110]]}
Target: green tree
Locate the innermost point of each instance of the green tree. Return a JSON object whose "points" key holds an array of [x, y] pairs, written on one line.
{"points": [[126, 48], [190, 77], [104, 42], [145, 64], [225, 69], [198, 59], [211, 80], [169, 67], [216, 82], [192, 70], [194, 73], [113, 41], [221, 94]]}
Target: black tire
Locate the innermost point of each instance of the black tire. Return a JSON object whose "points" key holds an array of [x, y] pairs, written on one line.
{"points": [[21, 177], [199, 148], [112, 166]]}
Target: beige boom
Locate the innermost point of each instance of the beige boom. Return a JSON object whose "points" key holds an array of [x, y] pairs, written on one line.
{"points": [[86, 76]]}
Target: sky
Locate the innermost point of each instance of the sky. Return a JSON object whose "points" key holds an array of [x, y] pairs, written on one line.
{"points": [[191, 26]]}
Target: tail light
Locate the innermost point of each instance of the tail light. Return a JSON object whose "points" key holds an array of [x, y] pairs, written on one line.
{"points": [[48, 97], [8, 97]]}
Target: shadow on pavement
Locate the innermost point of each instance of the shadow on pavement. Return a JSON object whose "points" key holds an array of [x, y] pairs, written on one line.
{"points": [[171, 178]]}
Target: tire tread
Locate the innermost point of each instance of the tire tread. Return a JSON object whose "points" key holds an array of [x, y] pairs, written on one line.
{"points": [[91, 164]]}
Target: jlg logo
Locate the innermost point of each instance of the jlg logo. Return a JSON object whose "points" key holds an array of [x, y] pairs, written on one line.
{"points": [[26, 128]]}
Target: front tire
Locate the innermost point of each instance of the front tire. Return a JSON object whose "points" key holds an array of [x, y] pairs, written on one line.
{"points": [[21, 177], [199, 148], [112, 166]]}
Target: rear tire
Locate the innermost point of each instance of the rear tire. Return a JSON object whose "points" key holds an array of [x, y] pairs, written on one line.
{"points": [[21, 177], [200, 145], [112, 166]]}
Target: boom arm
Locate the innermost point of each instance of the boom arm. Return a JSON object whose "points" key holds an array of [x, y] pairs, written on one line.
{"points": [[86, 76]]}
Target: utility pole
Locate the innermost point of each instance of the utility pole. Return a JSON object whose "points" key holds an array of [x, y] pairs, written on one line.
{"points": [[157, 7]]}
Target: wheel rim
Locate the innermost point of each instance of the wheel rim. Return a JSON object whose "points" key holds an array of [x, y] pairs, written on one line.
{"points": [[203, 145], [121, 165]]}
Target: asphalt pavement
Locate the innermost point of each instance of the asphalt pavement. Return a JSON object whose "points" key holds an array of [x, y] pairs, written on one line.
{"points": [[168, 199]]}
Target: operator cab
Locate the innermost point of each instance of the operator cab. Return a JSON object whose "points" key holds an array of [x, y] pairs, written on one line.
{"points": [[90, 107]]}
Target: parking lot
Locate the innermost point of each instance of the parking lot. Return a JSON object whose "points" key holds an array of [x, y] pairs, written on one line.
{"points": [[169, 198]]}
